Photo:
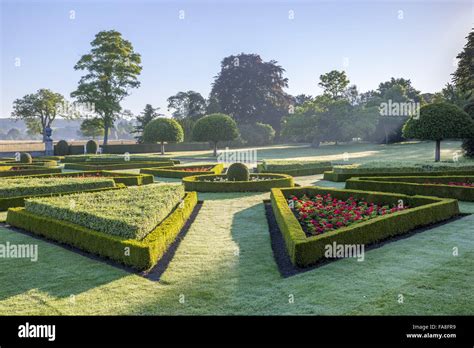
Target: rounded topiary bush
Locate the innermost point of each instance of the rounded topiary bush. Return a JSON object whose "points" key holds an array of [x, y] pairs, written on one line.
{"points": [[162, 130], [215, 128], [25, 158], [257, 134], [62, 148], [238, 172], [92, 146]]}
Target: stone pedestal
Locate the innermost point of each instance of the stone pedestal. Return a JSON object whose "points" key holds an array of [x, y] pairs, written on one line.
{"points": [[48, 146]]}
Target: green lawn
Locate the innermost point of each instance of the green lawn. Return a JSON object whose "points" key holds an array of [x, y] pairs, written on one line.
{"points": [[225, 266]]}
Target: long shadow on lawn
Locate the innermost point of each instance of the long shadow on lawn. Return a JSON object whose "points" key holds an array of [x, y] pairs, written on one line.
{"points": [[57, 271], [75, 271]]}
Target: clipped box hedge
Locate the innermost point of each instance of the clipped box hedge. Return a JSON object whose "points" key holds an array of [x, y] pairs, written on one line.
{"points": [[341, 177], [416, 185], [36, 162], [305, 251], [128, 179], [6, 171], [129, 213], [117, 158], [19, 201], [116, 166], [178, 172], [21, 186], [294, 167], [198, 183], [139, 254]]}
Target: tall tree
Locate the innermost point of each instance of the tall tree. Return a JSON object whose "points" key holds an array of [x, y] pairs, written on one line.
{"points": [[112, 69], [334, 84], [250, 90], [92, 128], [39, 109], [411, 93], [438, 122], [463, 77], [187, 104], [147, 115], [300, 99]]}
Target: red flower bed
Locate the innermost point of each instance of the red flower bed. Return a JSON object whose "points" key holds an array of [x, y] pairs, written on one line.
{"points": [[320, 214], [465, 184]]}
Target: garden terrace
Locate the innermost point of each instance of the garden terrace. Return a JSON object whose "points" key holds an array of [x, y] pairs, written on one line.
{"points": [[458, 187], [145, 219], [184, 170], [128, 179], [305, 251], [219, 183], [22, 170], [14, 191], [294, 167], [116, 166]]}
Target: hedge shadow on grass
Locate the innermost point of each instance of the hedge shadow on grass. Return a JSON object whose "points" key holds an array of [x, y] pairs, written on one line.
{"points": [[283, 261], [77, 274], [38, 280], [157, 271]]}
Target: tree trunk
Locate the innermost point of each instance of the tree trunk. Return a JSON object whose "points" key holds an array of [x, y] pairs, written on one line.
{"points": [[215, 149], [162, 147], [315, 143], [438, 151], [106, 134]]}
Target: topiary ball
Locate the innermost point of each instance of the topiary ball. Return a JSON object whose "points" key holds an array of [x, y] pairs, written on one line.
{"points": [[92, 146], [238, 172], [25, 158], [62, 148]]}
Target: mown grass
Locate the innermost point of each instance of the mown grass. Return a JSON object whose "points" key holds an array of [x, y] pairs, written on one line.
{"points": [[225, 265]]}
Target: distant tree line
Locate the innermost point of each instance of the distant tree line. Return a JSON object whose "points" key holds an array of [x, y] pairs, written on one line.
{"points": [[251, 92]]}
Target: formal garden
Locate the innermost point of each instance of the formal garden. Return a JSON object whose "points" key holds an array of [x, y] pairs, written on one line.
{"points": [[143, 241], [281, 205]]}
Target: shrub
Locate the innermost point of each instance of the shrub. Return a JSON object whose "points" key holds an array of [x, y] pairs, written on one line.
{"points": [[62, 148], [27, 170], [128, 179], [163, 129], [25, 157], [257, 134], [180, 172], [36, 186], [92, 146], [305, 251], [217, 183], [437, 186], [115, 166], [294, 167], [215, 128], [143, 254], [468, 144], [439, 121], [238, 172], [129, 213]]}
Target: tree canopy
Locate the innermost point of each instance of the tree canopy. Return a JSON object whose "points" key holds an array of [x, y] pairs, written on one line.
{"points": [[439, 121], [39, 109], [112, 68], [251, 90], [187, 104], [161, 130], [148, 114], [215, 128]]}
